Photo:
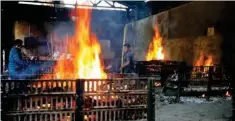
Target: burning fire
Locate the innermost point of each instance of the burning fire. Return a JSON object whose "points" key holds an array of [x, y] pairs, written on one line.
{"points": [[227, 94], [203, 95], [202, 61], [155, 51], [85, 50], [157, 84]]}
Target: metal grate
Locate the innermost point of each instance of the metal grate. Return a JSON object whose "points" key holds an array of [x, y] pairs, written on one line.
{"points": [[158, 67], [43, 116], [112, 99], [202, 81], [115, 114], [89, 99], [33, 100]]}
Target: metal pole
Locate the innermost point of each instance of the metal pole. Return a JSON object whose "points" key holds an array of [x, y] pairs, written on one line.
{"points": [[178, 91], [3, 60], [124, 41], [233, 97], [52, 47], [150, 101], [209, 83], [79, 100]]}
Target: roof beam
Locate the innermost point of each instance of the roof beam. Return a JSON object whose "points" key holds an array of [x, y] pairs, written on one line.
{"points": [[63, 5]]}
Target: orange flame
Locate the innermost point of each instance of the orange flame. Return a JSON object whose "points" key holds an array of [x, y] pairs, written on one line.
{"points": [[87, 58], [155, 51], [208, 62], [85, 50], [202, 62]]}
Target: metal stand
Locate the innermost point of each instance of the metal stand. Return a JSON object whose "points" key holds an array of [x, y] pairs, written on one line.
{"points": [[150, 112], [209, 83], [79, 100]]}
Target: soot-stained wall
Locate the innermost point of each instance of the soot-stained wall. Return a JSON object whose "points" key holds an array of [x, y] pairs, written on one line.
{"points": [[184, 31]]}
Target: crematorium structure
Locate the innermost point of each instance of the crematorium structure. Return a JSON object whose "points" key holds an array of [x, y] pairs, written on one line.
{"points": [[183, 52]]}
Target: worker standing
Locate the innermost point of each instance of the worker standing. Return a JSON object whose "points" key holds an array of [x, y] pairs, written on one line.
{"points": [[128, 62]]}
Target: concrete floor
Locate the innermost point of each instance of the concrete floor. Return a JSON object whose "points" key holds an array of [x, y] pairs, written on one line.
{"points": [[217, 110]]}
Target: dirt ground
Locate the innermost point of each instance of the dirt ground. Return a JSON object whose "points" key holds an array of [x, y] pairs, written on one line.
{"points": [[219, 109]]}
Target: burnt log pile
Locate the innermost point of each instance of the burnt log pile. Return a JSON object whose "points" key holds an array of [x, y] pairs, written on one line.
{"points": [[178, 79]]}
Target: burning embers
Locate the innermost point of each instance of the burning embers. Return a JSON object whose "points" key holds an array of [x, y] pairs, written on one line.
{"points": [[227, 94], [202, 65], [85, 51], [155, 51], [204, 61]]}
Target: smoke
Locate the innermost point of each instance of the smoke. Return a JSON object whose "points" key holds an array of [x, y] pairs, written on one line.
{"points": [[64, 28], [107, 25], [58, 36]]}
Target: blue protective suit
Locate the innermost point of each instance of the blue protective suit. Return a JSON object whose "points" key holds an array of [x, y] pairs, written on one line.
{"points": [[20, 69]]}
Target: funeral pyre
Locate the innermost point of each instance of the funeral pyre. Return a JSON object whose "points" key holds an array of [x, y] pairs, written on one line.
{"points": [[202, 79], [53, 96], [56, 99]]}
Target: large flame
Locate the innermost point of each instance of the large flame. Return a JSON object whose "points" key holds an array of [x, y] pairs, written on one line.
{"points": [[155, 50], [203, 61], [85, 51], [87, 54]]}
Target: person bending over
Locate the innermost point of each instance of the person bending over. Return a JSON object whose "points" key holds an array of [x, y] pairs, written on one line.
{"points": [[19, 68]]}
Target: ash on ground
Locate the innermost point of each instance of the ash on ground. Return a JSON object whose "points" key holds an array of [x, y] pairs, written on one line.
{"points": [[193, 109]]}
